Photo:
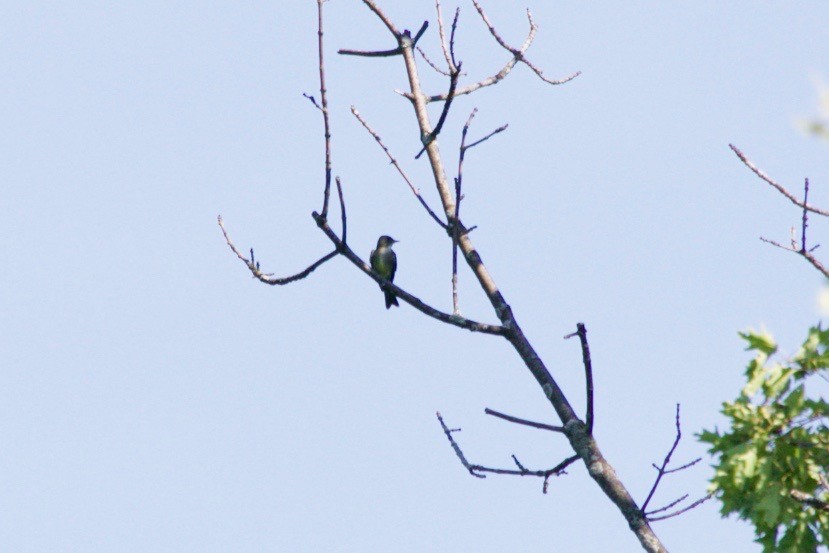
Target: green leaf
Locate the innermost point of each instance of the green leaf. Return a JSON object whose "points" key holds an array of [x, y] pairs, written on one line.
{"points": [[760, 341]]}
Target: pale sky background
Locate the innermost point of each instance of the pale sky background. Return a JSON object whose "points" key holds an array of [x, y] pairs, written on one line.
{"points": [[153, 397]]}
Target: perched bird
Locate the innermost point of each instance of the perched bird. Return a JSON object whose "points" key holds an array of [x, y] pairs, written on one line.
{"points": [[384, 262]]}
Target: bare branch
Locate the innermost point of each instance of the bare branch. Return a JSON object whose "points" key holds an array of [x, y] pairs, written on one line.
{"points": [[370, 53], [476, 470], [420, 33], [581, 332], [500, 129], [432, 64], [414, 190], [455, 229], [584, 445], [324, 110], [662, 471], [801, 251], [696, 503], [805, 217], [383, 17], [268, 278], [312, 100], [415, 302], [525, 422], [453, 84], [442, 32], [669, 505], [780, 188], [455, 223], [517, 55], [342, 209], [457, 448], [454, 64]]}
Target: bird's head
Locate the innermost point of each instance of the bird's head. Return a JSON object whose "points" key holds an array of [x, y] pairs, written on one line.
{"points": [[386, 241]]}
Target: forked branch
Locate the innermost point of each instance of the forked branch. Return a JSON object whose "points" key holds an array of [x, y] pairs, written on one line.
{"points": [[802, 249], [268, 278], [479, 471], [518, 55], [661, 471]]}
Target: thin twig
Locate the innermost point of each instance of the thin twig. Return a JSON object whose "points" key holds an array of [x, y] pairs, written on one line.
{"points": [[687, 465], [780, 188], [807, 254], [342, 209], [662, 471], [455, 229], [476, 470], [453, 84], [454, 223], [500, 129], [525, 422], [431, 63], [324, 110], [805, 218], [696, 503], [581, 332], [457, 448], [517, 55], [442, 33], [454, 64], [669, 505], [268, 278], [394, 162]]}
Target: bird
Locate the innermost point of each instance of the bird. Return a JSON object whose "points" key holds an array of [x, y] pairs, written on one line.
{"points": [[384, 262]]}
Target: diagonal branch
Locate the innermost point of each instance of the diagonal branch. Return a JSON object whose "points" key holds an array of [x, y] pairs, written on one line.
{"points": [[780, 188], [431, 63], [414, 190]]}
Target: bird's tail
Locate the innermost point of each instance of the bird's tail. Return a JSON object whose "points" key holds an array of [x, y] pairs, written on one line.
{"points": [[391, 299]]}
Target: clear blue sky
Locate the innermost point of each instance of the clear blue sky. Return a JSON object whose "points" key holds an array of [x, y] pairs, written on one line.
{"points": [[154, 398]]}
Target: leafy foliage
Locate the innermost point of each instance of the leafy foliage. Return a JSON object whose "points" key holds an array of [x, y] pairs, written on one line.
{"points": [[778, 444]]}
